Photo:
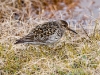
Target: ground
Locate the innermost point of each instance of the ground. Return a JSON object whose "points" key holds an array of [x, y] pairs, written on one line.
{"points": [[72, 55]]}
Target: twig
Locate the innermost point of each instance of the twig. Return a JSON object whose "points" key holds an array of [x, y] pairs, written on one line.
{"points": [[96, 21], [85, 31]]}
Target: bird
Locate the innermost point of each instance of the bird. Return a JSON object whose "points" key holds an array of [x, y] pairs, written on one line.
{"points": [[46, 33]]}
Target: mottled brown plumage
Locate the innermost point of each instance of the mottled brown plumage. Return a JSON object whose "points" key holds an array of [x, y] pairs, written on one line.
{"points": [[46, 33]]}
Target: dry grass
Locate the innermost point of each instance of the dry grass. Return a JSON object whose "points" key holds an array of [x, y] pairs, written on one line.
{"points": [[73, 55]]}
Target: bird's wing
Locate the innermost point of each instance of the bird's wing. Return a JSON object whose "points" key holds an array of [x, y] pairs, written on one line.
{"points": [[40, 33]]}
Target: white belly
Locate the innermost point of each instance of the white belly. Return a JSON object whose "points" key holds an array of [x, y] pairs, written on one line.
{"points": [[55, 37]]}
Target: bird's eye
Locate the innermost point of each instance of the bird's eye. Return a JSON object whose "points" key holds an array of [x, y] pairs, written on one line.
{"points": [[64, 25]]}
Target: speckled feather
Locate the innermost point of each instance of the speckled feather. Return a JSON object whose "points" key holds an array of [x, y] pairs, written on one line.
{"points": [[46, 33]]}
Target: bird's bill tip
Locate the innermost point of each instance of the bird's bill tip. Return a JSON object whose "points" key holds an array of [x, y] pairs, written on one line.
{"points": [[72, 31]]}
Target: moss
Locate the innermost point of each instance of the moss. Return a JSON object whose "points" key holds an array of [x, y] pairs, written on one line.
{"points": [[78, 71]]}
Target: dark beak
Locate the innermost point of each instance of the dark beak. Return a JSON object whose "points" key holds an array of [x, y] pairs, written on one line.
{"points": [[72, 30]]}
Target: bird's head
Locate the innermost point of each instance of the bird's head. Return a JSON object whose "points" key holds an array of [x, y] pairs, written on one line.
{"points": [[64, 25]]}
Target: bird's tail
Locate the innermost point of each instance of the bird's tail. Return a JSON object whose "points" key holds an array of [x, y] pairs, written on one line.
{"points": [[23, 40], [19, 41]]}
